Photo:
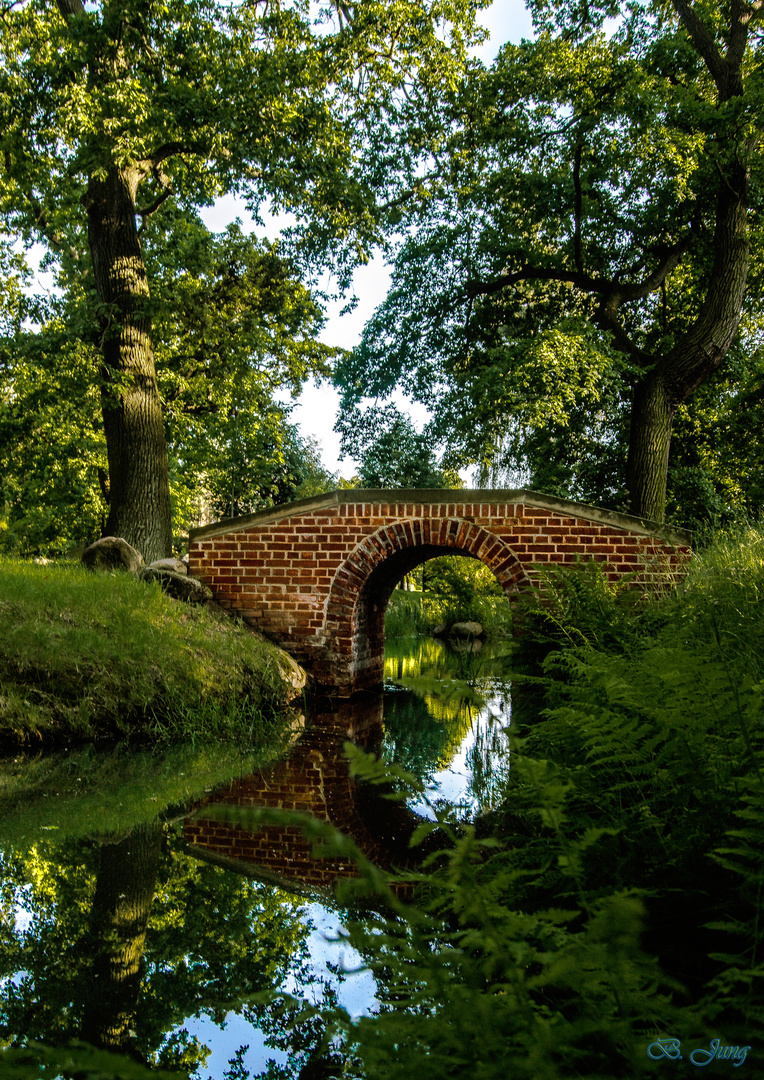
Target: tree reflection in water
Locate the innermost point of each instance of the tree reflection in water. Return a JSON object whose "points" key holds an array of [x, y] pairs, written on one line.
{"points": [[134, 942]]}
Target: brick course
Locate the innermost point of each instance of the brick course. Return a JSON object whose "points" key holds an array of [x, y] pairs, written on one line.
{"points": [[316, 575]]}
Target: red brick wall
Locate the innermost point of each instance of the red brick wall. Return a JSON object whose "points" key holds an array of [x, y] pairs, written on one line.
{"points": [[316, 576]]}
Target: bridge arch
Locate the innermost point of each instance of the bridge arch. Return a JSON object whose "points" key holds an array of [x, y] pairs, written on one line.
{"points": [[315, 575], [364, 582]]}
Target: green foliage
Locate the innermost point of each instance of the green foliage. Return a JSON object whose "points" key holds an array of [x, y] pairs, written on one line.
{"points": [[213, 942], [411, 613], [455, 589], [468, 983], [567, 248], [716, 479], [463, 579], [233, 328], [654, 717], [392, 454], [145, 115], [579, 605], [34, 1061], [406, 616], [615, 895], [88, 656], [52, 450]]}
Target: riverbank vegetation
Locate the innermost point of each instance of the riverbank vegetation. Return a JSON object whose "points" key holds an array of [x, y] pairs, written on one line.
{"points": [[614, 898], [87, 656], [447, 590]]}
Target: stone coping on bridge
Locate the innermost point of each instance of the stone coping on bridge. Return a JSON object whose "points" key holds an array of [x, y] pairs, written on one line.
{"points": [[394, 497]]}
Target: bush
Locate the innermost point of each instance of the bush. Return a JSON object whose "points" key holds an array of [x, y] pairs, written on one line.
{"points": [[654, 720], [615, 898], [457, 589]]}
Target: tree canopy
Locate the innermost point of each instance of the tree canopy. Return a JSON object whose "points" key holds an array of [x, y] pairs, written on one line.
{"points": [[584, 255], [115, 116]]}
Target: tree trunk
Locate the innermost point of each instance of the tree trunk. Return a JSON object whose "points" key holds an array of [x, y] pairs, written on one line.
{"points": [[139, 492], [694, 357], [652, 414], [119, 917]]}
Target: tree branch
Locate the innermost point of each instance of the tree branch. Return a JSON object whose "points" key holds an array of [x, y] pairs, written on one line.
{"points": [[606, 318], [703, 42], [599, 286], [739, 19], [671, 260], [70, 7], [152, 163], [538, 273], [147, 211]]}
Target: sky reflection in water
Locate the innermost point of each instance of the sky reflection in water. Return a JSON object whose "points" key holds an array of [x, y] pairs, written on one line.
{"points": [[211, 934]]}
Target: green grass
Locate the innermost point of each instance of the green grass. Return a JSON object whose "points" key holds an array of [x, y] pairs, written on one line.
{"points": [[88, 656], [89, 792], [414, 613]]}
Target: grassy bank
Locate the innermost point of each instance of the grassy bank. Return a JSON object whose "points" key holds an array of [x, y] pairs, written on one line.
{"points": [[410, 614], [101, 656], [449, 589]]}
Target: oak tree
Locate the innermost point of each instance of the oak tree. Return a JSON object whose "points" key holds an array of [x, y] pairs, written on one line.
{"points": [[109, 111], [586, 256]]}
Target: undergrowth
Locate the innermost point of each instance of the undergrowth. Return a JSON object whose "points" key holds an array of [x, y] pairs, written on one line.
{"points": [[615, 897], [411, 614], [454, 589], [102, 656]]}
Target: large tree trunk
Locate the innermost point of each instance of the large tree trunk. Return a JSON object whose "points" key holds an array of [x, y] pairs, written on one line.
{"points": [[652, 414], [139, 491], [119, 917], [695, 356]]}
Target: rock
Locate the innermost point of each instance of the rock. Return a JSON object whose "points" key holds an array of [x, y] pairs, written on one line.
{"points": [[466, 645], [440, 630], [112, 553], [179, 586], [176, 565], [466, 630]]}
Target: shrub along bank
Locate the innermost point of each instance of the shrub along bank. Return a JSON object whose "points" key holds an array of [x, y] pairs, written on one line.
{"points": [[610, 914], [101, 656], [453, 589]]}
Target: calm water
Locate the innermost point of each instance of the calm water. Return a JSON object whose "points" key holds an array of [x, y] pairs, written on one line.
{"points": [[122, 929]]}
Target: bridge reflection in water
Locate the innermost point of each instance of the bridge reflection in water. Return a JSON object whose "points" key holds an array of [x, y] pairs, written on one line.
{"points": [[316, 779], [457, 740]]}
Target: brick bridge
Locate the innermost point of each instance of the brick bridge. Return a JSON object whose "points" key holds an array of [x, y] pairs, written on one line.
{"points": [[316, 575]]}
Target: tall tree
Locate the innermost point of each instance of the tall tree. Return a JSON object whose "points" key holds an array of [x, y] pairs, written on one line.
{"points": [[109, 110], [234, 331], [589, 247], [391, 452]]}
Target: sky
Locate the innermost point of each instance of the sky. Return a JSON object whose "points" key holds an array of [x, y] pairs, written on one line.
{"points": [[315, 410]]}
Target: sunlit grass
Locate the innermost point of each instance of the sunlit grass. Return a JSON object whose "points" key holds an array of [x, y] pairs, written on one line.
{"points": [[412, 613], [86, 655]]}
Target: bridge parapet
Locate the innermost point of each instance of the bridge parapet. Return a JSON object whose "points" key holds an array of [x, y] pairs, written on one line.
{"points": [[316, 575]]}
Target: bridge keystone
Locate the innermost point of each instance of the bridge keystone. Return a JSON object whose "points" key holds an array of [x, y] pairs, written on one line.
{"points": [[316, 575]]}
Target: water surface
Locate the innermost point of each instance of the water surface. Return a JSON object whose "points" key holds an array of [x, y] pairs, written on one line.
{"points": [[132, 916]]}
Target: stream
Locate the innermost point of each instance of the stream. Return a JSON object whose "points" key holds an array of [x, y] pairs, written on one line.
{"points": [[163, 935]]}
